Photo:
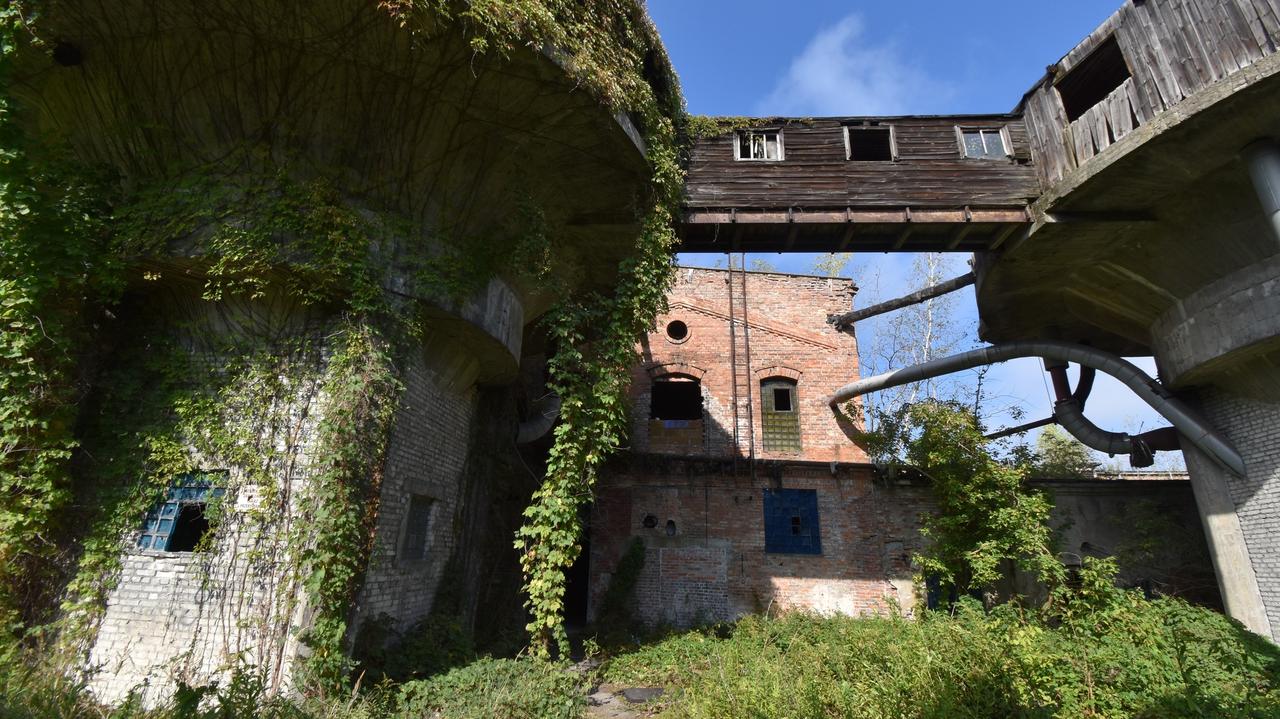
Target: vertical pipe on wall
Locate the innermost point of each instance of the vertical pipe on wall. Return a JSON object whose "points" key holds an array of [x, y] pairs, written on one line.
{"points": [[733, 362], [1263, 159]]}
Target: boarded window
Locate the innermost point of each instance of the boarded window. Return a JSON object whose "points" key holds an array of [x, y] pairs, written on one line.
{"points": [[417, 528], [180, 521], [983, 144], [780, 416], [791, 521], [871, 143], [759, 145], [1093, 79], [676, 400]]}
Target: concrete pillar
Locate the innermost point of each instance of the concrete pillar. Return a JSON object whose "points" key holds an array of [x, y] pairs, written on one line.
{"points": [[1263, 160], [1232, 563]]}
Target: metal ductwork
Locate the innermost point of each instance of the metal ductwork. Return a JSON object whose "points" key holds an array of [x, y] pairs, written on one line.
{"points": [[1188, 422], [1068, 411], [544, 415], [1263, 160]]}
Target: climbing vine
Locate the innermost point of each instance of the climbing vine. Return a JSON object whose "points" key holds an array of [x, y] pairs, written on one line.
{"points": [[72, 239]]}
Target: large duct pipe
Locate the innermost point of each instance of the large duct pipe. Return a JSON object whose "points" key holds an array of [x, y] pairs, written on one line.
{"points": [[1068, 410], [1263, 159], [545, 413], [849, 318], [1195, 429]]}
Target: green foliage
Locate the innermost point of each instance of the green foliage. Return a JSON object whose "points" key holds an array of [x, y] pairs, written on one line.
{"points": [[1119, 657], [488, 688], [616, 606], [985, 515], [1061, 456], [258, 228], [334, 545]]}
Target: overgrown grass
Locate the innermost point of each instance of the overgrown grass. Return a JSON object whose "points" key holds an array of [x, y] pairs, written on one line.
{"points": [[1096, 652], [1130, 659], [485, 689]]}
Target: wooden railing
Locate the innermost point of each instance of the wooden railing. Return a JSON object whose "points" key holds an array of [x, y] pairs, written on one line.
{"points": [[1173, 48]]}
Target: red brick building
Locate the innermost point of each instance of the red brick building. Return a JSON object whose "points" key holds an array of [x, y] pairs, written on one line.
{"points": [[746, 490]]}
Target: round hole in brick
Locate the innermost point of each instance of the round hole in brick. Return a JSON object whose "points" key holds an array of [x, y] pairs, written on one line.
{"points": [[677, 331], [649, 521], [671, 527]]}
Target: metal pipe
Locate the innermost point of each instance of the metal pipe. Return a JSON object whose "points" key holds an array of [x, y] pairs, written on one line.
{"points": [[733, 364], [1263, 159], [1187, 421], [849, 318], [1069, 412], [1022, 428], [751, 383], [545, 413]]}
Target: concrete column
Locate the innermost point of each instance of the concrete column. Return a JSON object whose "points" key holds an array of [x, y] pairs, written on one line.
{"points": [[1263, 159], [1237, 580]]}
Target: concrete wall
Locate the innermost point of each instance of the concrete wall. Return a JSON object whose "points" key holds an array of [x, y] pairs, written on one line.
{"points": [[715, 566], [1149, 525]]}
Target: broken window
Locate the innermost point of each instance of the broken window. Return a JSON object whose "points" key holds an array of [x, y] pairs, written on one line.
{"points": [[759, 145], [871, 143], [791, 521], [180, 521], [779, 418], [417, 528], [1093, 79], [983, 144], [676, 399]]}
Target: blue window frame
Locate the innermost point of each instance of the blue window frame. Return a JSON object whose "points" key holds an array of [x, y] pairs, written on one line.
{"points": [[176, 523], [791, 521]]}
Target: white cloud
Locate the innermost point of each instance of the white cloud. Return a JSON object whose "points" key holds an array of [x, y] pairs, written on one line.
{"points": [[842, 72]]}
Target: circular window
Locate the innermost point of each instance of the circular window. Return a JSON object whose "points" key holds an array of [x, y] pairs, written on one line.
{"points": [[677, 331]]}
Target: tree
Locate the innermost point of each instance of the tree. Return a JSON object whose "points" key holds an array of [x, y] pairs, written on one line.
{"points": [[986, 516], [913, 335], [738, 260], [832, 264], [1061, 456]]}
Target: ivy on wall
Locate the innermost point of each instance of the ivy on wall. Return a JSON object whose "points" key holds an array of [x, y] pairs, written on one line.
{"points": [[72, 239]]}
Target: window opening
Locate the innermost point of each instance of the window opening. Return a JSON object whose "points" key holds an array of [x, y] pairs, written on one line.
{"points": [[417, 528], [671, 528], [791, 521], [676, 400], [759, 145], [779, 418], [677, 331], [649, 522], [983, 144], [179, 522], [1093, 79], [871, 144]]}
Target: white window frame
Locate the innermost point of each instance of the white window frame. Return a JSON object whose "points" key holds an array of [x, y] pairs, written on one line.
{"points": [[1004, 141], [893, 141], [737, 145]]}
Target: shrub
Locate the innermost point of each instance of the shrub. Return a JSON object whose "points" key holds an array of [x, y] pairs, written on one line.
{"points": [[492, 688], [1120, 656]]}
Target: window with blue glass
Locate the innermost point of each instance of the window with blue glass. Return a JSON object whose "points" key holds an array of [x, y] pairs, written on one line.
{"points": [[791, 521], [179, 521]]}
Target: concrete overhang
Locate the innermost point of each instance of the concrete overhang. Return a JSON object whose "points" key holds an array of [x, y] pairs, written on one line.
{"points": [[1146, 222]]}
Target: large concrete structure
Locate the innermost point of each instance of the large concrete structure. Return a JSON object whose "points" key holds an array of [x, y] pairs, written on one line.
{"points": [[1149, 227], [391, 108]]}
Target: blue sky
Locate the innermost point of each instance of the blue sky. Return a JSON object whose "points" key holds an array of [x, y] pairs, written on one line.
{"points": [[818, 57]]}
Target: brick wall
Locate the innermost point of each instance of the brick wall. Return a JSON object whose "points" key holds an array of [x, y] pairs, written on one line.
{"points": [[714, 566], [1253, 426], [788, 336], [426, 456]]}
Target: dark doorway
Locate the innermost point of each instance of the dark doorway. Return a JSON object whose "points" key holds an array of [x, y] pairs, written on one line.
{"points": [[577, 579]]}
